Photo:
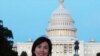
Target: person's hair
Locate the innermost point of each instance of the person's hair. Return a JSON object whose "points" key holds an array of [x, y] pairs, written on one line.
{"points": [[39, 41], [98, 54]]}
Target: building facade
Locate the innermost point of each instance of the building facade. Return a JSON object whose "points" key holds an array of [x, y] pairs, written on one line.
{"points": [[62, 32]]}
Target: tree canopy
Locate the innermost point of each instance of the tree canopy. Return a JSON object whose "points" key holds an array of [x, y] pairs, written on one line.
{"points": [[6, 41]]}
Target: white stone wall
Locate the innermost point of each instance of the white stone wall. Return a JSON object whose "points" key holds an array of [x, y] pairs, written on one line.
{"points": [[66, 48], [81, 48], [63, 48], [91, 48], [24, 47]]}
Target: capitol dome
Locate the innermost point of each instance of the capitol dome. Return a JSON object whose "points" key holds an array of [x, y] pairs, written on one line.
{"points": [[61, 23]]}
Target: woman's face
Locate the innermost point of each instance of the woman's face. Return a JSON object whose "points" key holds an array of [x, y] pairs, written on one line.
{"points": [[42, 49]]}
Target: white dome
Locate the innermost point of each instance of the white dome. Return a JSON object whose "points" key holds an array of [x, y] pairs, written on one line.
{"points": [[61, 23], [60, 10], [61, 19]]}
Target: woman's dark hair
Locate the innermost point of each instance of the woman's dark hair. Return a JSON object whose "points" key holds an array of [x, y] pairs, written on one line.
{"points": [[39, 41]]}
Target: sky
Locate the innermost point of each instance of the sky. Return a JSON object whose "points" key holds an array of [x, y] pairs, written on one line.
{"points": [[29, 18]]}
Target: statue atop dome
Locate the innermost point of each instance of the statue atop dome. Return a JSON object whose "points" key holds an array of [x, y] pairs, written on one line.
{"points": [[61, 1]]}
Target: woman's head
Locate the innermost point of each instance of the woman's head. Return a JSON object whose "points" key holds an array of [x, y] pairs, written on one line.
{"points": [[42, 47]]}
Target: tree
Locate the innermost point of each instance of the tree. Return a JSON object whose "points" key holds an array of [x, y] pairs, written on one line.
{"points": [[98, 54], [6, 42], [23, 53]]}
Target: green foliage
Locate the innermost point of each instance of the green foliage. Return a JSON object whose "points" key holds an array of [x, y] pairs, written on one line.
{"points": [[23, 53], [6, 43]]}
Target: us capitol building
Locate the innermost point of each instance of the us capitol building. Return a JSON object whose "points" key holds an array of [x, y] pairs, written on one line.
{"points": [[62, 32]]}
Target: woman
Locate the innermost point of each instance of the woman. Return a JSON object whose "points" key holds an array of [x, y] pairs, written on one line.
{"points": [[42, 47]]}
